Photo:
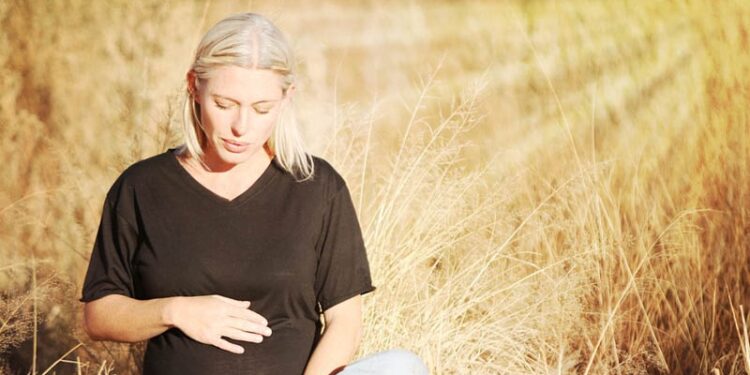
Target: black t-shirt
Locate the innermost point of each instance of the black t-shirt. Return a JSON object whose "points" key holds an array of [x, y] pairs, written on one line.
{"points": [[293, 249]]}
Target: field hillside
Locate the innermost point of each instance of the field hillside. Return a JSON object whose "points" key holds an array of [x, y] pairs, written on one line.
{"points": [[543, 186]]}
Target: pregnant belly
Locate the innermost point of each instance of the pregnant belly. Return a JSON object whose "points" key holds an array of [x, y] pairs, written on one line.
{"points": [[286, 351]]}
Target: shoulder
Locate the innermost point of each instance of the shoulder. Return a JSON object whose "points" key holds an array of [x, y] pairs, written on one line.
{"points": [[137, 174], [146, 168], [327, 176]]}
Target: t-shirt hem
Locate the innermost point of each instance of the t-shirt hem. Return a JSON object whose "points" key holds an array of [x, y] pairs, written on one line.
{"points": [[102, 293], [335, 301]]}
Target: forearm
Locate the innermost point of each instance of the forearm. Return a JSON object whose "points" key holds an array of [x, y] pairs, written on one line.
{"points": [[124, 319], [336, 348]]}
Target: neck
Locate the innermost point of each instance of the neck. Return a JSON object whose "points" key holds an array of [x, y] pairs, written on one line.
{"points": [[211, 165]]}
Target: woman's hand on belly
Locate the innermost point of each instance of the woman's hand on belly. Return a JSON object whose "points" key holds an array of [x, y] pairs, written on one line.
{"points": [[207, 319]]}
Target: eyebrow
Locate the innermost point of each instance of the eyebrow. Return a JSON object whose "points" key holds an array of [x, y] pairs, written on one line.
{"points": [[235, 101]]}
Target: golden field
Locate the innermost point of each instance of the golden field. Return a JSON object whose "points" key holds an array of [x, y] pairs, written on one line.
{"points": [[543, 186]]}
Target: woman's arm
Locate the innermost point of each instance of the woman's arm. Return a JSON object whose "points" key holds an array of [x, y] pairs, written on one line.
{"points": [[205, 319], [120, 318], [340, 339]]}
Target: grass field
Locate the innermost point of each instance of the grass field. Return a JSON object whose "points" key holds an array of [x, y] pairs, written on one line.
{"points": [[543, 186]]}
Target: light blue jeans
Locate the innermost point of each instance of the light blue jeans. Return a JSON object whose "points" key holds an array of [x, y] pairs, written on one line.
{"points": [[389, 362]]}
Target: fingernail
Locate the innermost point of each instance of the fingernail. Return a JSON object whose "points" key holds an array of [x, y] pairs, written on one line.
{"points": [[268, 332]]}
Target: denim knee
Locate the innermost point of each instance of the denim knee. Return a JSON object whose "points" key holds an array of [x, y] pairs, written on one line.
{"points": [[406, 362], [391, 362]]}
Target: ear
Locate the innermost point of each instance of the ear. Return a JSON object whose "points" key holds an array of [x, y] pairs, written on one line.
{"points": [[191, 84], [290, 92]]}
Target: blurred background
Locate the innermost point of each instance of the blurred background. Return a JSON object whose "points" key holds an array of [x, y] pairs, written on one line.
{"points": [[544, 186]]}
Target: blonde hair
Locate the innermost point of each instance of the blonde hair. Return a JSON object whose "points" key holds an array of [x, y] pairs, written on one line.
{"points": [[249, 40]]}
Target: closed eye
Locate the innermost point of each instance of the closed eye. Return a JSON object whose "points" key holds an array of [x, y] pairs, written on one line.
{"points": [[222, 106], [262, 111]]}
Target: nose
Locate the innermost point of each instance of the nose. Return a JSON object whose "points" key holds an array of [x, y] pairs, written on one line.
{"points": [[241, 123]]}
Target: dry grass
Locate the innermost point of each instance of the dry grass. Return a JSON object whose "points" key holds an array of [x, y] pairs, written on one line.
{"points": [[544, 187]]}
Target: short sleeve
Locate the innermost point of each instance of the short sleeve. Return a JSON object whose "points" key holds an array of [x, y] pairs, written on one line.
{"points": [[110, 270], [343, 270]]}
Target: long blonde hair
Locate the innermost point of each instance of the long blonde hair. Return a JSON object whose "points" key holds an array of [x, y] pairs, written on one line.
{"points": [[249, 40]]}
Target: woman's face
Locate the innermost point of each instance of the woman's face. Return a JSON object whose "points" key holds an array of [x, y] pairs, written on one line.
{"points": [[239, 109]]}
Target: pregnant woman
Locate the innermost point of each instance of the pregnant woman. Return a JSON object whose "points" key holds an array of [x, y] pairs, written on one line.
{"points": [[225, 251]]}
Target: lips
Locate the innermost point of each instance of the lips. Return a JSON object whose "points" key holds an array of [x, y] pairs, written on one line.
{"points": [[235, 143], [233, 146]]}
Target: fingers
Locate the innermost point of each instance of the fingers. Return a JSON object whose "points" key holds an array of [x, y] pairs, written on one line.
{"points": [[234, 302], [237, 334], [244, 313], [228, 346], [247, 326]]}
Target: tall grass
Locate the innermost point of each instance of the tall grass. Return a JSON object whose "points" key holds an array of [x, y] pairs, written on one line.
{"points": [[544, 187]]}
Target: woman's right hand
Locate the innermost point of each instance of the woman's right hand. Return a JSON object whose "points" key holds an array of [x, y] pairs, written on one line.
{"points": [[207, 319]]}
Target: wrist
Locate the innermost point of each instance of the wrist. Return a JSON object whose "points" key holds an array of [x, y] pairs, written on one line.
{"points": [[169, 311]]}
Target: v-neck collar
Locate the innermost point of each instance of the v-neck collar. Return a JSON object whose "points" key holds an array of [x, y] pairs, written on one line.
{"points": [[261, 182]]}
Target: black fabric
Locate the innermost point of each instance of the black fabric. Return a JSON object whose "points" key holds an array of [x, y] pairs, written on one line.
{"points": [[294, 249]]}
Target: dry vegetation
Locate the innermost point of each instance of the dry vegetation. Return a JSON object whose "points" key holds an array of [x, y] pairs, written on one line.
{"points": [[544, 186]]}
